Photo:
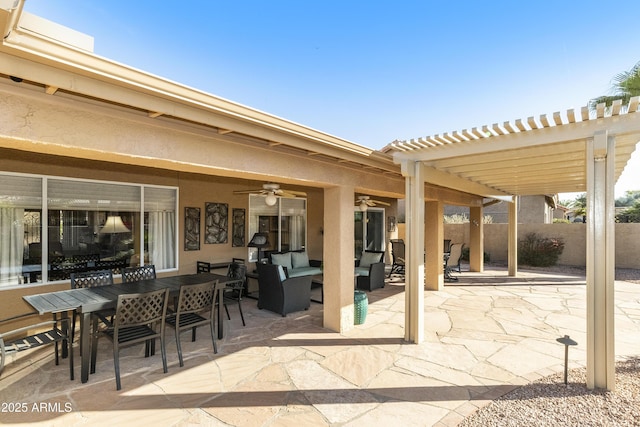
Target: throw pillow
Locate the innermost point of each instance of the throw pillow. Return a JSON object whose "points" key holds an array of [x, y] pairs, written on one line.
{"points": [[282, 274], [369, 258], [282, 259], [299, 259]]}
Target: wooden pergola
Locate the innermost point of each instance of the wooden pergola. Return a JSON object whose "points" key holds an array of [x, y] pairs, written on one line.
{"points": [[571, 152]]}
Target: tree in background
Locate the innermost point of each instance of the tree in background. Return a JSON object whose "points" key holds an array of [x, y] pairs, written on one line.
{"points": [[631, 214], [579, 206], [625, 85], [629, 198]]}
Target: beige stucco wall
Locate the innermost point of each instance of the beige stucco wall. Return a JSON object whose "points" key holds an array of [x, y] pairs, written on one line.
{"points": [[574, 236], [36, 122], [66, 124]]}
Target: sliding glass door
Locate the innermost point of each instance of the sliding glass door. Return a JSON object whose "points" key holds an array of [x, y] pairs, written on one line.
{"points": [[369, 231]]}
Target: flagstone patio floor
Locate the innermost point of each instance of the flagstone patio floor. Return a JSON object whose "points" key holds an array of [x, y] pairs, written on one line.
{"points": [[484, 336]]}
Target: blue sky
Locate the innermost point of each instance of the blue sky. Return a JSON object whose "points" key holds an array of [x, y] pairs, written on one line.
{"points": [[374, 71]]}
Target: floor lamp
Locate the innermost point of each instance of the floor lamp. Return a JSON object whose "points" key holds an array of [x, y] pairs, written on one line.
{"points": [[259, 241], [114, 225]]}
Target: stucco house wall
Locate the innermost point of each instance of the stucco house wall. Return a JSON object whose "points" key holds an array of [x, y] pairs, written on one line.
{"points": [[531, 209]]}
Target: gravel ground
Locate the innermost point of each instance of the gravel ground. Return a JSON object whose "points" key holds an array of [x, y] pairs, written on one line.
{"points": [[549, 402]]}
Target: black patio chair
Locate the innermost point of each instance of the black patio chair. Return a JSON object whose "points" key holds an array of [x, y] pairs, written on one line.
{"points": [[234, 289], [92, 279], [195, 308], [139, 318], [397, 253], [135, 274]]}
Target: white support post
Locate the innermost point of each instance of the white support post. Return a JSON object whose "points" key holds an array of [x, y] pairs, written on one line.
{"points": [[414, 268], [513, 238], [600, 262]]}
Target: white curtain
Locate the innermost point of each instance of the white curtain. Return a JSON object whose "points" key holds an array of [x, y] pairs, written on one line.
{"points": [[296, 235], [11, 244], [162, 231]]}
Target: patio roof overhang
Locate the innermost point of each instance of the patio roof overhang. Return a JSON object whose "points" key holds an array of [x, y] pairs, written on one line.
{"points": [[60, 61], [532, 157]]}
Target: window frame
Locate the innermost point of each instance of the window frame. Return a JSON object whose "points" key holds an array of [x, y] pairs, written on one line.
{"points": [[44, 210]]}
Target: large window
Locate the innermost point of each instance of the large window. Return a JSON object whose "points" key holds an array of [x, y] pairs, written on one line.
{"points": [[285, 223], [51, 227]]}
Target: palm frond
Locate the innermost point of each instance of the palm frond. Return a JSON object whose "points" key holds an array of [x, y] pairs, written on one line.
{"points": [[625, 85]]}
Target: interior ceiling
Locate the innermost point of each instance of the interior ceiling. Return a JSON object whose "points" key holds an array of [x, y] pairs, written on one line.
{"points": [[544, 156]]}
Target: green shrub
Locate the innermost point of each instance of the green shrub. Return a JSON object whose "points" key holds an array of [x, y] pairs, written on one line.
{"points": [[538, 251]]}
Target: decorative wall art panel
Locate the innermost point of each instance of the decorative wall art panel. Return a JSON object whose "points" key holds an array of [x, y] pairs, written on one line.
{"points": [[191, 229], [216, 224], [238, 231]]}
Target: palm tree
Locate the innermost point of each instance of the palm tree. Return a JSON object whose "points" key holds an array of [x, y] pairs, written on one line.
{"points": [[579, 206], [625, 85]]}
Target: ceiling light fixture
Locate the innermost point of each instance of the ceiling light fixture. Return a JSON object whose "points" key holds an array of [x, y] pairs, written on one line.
{"points": [[271, 199]]}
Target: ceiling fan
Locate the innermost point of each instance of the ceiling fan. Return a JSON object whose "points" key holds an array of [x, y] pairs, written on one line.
{"points": [[272, 190], [364, 202]]}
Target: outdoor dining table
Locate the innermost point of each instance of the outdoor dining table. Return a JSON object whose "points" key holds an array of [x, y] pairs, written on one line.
{"points": [[89, 300]]}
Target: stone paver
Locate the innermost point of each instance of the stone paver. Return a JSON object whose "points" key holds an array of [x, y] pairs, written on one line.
{"points": [[484, 336]]}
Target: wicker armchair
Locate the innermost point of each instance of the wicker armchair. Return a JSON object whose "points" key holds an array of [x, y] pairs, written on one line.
{"points": [[282, 295]]}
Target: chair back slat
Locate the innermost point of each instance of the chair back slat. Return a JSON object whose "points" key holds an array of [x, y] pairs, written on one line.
{"points": [[196, 298], [91, 279], [135, 274], [141, 309]]}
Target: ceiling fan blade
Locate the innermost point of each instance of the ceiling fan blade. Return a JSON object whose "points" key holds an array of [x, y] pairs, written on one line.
{"points": [[379, 202], [248, 191], [297, 193], [289, 194]]}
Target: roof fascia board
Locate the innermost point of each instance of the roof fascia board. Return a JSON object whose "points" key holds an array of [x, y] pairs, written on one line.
{"points": [[30, 45], [75, 83]]}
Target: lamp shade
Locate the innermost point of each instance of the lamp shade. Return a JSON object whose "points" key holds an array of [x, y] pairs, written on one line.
{"points": [[363, 206], [259, 240], [114, 225]]}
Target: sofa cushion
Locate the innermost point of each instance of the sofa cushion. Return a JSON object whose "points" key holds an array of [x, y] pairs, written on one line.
{"points": [[281, 273], [304, 271], [369, 258], [299, 259], [282, 259]]}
